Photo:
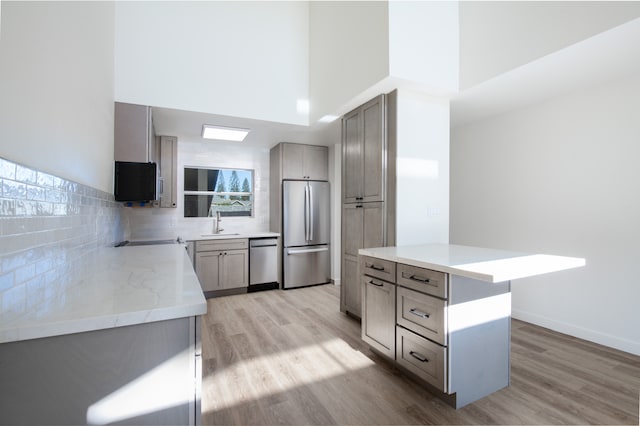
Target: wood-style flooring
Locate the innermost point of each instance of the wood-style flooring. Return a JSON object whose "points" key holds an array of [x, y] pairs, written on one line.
{"points": [[290, 357]]}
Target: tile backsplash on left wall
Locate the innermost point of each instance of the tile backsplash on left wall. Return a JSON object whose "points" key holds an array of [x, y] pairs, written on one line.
{"points": [[48, 224]]}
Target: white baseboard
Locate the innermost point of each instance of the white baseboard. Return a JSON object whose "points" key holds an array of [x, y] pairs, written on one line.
{"points": [[335, 282], [579, 332]]}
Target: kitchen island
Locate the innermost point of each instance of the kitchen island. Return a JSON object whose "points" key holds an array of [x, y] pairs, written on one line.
{"points": [[442, 312], [116, 339]]}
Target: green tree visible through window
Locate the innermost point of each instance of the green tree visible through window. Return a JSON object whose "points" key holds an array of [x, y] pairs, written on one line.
{"points": [[208, 191], [245, 188], [234, 185], [221, 185]]}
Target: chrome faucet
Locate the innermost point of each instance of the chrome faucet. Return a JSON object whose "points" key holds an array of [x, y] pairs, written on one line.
{"points": [[216, 224]]}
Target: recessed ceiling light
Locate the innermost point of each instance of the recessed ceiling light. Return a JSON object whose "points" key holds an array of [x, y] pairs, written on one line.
{"points": [[224, 133]]}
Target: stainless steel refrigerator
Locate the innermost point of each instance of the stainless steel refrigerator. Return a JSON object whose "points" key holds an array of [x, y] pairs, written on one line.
{"points": [[305, 233]]}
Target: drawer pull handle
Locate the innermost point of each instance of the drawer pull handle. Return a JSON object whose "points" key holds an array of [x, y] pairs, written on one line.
{"points": [[419, 313], [376, 268], [419, 357], [419, 279], [376, 284]]}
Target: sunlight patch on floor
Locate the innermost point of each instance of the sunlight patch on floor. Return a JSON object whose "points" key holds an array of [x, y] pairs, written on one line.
{"points": [[280, 372]]}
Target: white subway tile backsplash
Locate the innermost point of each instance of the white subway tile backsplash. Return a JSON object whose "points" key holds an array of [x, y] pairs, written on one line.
{"points": [[46, 224], [7, 207], [25, 174], [13, 189], [7, 169], [35, 193], [14, 300], [26, 208], [6, 281], [44, 179]]}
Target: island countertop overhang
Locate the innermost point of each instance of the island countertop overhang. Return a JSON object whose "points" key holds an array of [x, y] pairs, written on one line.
{"points": [[484, 264]]}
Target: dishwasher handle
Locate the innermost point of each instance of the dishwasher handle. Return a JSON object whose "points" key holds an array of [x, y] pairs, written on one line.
{"points": [[267, 242]]}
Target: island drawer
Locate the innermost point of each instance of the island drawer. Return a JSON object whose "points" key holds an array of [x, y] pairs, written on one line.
{"points": [[223, 244], [379, 268], [422, 314], [422, 357], [423, 280]]}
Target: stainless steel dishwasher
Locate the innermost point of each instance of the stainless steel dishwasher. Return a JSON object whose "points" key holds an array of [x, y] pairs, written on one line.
{"points": [[263, 264]]}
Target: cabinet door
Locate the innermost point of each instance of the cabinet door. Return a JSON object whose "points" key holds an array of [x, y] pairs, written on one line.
{"points": [[292, 161], [351, 157], [373, 225], [352, 227], [234, 269], [168, 171], [351, 299], [373, 149], [133, 133], [378, 315], [316, 162], [207, 269]]}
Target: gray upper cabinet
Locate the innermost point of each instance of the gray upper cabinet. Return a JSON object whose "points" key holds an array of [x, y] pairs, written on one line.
{"points": [[304, 161], [134, 139], [364, 160], [293, 161]]}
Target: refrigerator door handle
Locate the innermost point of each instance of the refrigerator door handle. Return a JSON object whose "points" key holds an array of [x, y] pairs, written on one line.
{"points": [[303, 251], [311, 207], [306, 212]]}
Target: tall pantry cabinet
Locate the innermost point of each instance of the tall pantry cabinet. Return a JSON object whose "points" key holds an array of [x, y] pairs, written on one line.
{"points": [[368, 189]]}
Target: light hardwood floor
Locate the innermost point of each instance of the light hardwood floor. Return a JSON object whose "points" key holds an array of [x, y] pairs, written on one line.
{"points": [[290, 357]]}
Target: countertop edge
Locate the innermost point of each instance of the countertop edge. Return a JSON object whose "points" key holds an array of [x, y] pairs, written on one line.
{"points": [[105, 322], [530, 264]]}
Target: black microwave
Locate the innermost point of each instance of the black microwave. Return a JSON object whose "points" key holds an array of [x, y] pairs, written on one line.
{"points": [[135, 181]]}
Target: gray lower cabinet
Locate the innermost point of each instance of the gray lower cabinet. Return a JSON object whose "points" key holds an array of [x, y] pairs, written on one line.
{"points": [[362, 226], [145, 374], [378, 314], [222, 265], [422, 357], [451, 332]]}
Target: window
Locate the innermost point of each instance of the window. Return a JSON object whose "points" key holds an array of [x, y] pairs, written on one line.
{"points": [[207, 191]]}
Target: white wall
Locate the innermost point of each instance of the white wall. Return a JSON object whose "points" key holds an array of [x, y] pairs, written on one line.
{"points": [[424, 44], [496, 37], [349, 51], [56, 89], [245, 59], [422, 169], [167, 223], [560, 177]]}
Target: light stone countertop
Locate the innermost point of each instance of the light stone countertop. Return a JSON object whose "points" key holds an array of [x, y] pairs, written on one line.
{"points": [[112, 287], [474, 262]]}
